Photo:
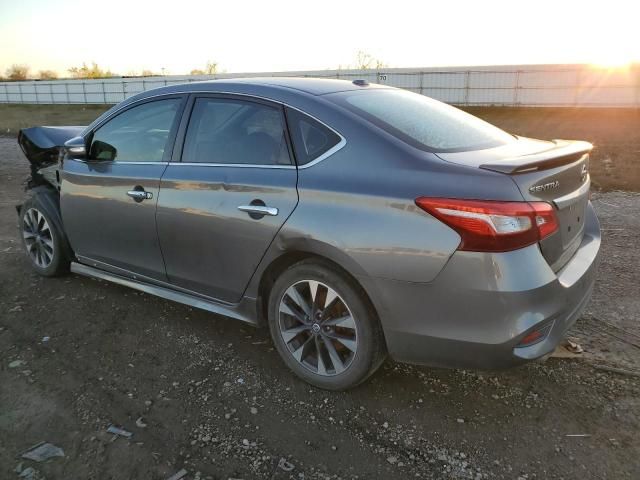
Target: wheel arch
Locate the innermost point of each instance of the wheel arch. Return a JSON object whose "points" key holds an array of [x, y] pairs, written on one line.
{"points": [[49, 199], [277, 264]]}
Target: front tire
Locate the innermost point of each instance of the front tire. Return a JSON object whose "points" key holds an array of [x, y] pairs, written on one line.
{"points": [[43, 240], [324, 327]]}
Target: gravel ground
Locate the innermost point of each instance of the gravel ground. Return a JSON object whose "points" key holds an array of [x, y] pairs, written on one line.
{"points": [[210, 395]]}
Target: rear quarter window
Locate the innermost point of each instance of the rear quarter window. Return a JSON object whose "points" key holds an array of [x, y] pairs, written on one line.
{"points": [[311, 139]]}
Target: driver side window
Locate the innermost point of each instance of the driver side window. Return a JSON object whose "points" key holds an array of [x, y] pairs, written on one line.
{"points": [[139, 134]]}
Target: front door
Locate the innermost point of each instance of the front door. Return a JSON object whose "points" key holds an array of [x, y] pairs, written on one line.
{"points": [[109, 200], [223, 204]]}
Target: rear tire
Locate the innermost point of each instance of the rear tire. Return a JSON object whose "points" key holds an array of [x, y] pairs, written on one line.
{"points": [[324, 327], [44, 242]]}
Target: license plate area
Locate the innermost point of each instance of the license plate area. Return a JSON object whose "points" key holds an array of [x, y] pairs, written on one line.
{"points": [[571, 220]]}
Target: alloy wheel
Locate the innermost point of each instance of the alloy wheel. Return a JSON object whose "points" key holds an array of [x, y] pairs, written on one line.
{"points": [[318, 328], [38, 238]]}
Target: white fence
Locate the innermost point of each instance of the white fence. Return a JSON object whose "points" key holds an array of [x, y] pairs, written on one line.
{"points": [[515, 85]]}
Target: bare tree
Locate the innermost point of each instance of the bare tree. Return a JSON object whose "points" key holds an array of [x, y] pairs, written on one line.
{"points": [[47, 75], [380, 64], [211, 68], [94, 71], [365, 61], [17, 72]]}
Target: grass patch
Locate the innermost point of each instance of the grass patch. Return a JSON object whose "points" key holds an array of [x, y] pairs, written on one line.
{"points": [[13, 117]]}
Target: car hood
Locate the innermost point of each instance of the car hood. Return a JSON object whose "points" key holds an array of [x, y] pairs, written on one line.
{"points": [[42, 145]]}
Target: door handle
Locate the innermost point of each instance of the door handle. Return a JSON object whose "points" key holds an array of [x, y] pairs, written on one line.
{"points": [[259, 210], [140, 195]]}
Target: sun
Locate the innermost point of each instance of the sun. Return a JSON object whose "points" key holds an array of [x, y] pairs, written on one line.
{"points": [[612, 64], [614, 58]]}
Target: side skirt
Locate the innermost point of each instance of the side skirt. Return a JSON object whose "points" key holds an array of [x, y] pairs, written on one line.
{"points": [[242, 311]]}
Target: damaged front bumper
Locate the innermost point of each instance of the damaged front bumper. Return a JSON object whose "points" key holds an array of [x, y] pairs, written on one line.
{"points": [[44, 148]]}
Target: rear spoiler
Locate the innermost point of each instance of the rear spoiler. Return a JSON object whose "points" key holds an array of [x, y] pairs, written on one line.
{"points": [[564, 152]]}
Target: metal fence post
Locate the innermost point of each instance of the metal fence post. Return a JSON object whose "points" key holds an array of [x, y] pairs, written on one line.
{"points": [[66, 90], [515, 89], [421, 73], [20, 90], [84, 92], [466, 86]]}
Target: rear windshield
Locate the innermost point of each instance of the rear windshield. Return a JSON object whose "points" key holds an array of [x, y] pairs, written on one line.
{"points": [[423, 122]]}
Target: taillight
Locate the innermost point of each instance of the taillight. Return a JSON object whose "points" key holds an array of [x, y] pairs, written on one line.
{"points": [[492, 226]]}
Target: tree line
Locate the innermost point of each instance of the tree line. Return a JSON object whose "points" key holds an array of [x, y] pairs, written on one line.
{"points": [[18, 72]]}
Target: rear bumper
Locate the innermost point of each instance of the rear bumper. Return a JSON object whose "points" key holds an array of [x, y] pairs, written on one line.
{"points": [[482, 304]]}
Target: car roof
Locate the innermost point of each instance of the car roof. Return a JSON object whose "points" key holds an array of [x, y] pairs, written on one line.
{"points": [[314, 86], [274, 88], [309, 86]]}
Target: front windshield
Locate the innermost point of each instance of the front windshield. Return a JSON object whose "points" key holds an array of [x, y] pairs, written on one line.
{"points": [[423, 122]]}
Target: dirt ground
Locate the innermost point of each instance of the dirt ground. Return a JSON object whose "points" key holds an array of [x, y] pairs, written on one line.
{"points": [[210, 395], [614, 132]]}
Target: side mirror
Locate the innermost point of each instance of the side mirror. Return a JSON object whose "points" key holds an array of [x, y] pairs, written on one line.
{"points": [[76, 148], [103, 151]]}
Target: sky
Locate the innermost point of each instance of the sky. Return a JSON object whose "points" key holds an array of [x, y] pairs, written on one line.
{"points": [[128, 36]]}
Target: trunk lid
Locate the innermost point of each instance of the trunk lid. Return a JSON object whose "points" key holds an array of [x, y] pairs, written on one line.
{"points": [[556, 172]]}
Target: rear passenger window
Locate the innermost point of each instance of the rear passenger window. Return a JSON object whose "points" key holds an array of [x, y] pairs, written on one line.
{"points": [[227, 131], [310, 138]]}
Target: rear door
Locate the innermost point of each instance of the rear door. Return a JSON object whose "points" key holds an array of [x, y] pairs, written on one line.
{"points": [[230, 188], [109, 200]]}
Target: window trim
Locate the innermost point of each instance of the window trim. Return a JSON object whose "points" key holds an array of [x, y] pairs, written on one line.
{"points": [[173, 131], [188, 104], [328, 153], [178, 138]]}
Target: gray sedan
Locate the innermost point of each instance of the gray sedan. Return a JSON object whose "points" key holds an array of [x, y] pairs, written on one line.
{"points": [[354, 220]]}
